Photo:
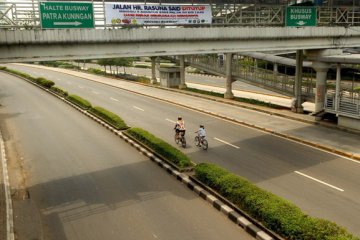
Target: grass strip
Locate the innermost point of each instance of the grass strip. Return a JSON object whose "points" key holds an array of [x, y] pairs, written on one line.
{"points": [[109, 117], [238, 99], [277, 214], [161, 147], [79, 101]]}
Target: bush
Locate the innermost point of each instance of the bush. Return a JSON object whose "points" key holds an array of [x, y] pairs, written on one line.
{"points": [[2, 68], [84, 104], [59, 91], [109, 117], [96, 71], [275, 213], [141, 66], [161, 147], [44, 82]]}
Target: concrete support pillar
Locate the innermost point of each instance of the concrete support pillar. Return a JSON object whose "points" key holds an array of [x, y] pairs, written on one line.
{"points": [[321, 73], [297, 103], [276, 68], [157, 63], [153, 71], [182, 72], [321, 77], [228, 62], [337, 88]]}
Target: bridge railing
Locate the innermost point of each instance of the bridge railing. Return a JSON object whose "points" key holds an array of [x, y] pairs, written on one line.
{"points": [[275, 81], [348, 103], [25, 14]]}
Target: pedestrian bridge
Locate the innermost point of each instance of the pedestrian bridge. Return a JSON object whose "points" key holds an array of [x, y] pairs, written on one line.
{"points": [[235, 27], [40, 45]]}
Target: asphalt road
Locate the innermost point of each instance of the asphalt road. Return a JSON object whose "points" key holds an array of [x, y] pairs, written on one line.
{"points": [[191, 78], [86, 183], [322, 184]]}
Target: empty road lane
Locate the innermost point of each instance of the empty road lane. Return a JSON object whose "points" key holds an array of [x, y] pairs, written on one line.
{"points": [[86, 183]]}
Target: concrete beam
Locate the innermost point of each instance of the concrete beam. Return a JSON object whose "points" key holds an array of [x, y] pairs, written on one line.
{"points": [[57, 44]]}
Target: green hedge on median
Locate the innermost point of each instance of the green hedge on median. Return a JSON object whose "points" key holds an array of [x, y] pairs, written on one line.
{"points": [[161, 147], [109, 117], [21, 74], [44, 82], [275, 213], [84, 104], [59, 91]]}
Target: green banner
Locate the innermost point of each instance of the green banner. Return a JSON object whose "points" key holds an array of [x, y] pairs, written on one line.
{"points": [[66, 15], [301, 16]]}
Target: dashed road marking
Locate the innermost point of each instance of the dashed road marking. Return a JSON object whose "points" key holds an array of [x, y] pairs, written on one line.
{"points": [[95, 92], [169, 120], [227, 143], [114, 99], [80, 86], [138, 108], [319, 181]]}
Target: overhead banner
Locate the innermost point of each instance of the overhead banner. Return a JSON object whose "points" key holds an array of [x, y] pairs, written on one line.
{"points": [[127, 13]]}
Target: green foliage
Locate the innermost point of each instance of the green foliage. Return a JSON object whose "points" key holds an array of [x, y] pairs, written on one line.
{"points": [[275, 213], [141, 66], [2, 68], [161, 147], [21, 74], [96, 71], [59, 91], [357, 89], [239, 99], [109, 117], [44, 82], [123, 62], [79, 101]]}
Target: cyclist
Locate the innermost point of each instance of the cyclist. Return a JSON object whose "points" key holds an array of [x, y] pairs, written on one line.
{"points": [[180, 127], [201, 132]]}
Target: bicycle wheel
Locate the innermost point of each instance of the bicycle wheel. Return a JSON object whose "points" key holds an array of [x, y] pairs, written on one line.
{"points": [[183, 142], [204, 144], [177, 140], [197, 141]]}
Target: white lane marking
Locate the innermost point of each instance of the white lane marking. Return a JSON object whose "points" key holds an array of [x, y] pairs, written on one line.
{"points": [[226, 143], [169, 120], [69, 82], [95, 92], [319, 181], [80, 86], [8, 201], [138, 108], [114, 99]]}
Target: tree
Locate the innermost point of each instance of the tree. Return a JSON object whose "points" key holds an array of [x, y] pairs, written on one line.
{"points": [[123, 62]]}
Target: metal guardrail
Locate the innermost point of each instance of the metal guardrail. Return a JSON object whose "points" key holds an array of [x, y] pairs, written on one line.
{"points": [[26, 15], [275, 81], [348, 103]]}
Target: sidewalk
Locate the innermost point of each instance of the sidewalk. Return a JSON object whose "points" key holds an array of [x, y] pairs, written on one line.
{"points": [[279, 122]]}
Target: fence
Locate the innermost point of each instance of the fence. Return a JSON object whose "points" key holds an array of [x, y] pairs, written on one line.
{"points": [[348, 103], [275, 81], [26, 15]]}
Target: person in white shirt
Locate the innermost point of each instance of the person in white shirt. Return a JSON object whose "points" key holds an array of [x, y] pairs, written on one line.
{"points": [[180, 127], [201, 132]]}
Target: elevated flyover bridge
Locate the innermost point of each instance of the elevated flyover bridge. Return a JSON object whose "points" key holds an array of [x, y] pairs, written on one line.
{"points": [[235, 27]]}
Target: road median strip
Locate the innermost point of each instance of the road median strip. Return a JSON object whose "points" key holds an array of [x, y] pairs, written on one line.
{"points": [[254, 193]]}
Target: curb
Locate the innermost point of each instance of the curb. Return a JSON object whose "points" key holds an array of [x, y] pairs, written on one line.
{"points": [[270, 131], [229, 212], [8, 201]]}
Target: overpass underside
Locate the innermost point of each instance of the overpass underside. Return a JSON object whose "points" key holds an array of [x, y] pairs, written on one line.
{"points": [[43, 45]]}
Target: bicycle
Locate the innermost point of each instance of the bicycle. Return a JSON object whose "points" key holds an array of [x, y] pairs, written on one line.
{"points": [[180, 138], [201, 142]]}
